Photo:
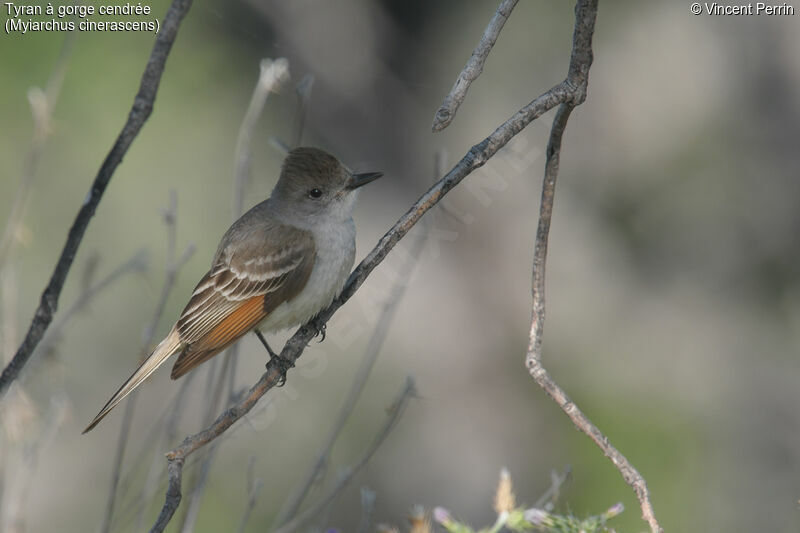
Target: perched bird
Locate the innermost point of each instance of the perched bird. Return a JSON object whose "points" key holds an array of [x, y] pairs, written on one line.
{"points": [[281, 263]]}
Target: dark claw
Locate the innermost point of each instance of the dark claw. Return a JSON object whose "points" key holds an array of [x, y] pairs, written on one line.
{"points": [[319, 327]]}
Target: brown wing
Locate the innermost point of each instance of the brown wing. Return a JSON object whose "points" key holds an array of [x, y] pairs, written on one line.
{"points": [[252, 275]]}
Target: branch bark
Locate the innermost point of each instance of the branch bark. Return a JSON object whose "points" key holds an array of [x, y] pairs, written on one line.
{"points": [[140, 111], [578, 77], [474, 67]]}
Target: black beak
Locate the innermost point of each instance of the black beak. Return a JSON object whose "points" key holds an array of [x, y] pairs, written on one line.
{"points": [[357, 180]]}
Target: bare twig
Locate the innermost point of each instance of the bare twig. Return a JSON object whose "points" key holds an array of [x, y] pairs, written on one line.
{"points": [[474, 67], [396, 410], [367, 509], [271, 75], [17, 494], [173, 266], [303, 91], [202, 479], [140, 111], [374, 346], [173, 498], [585, 14], [169, 435], [137, 263], [254, 485], [547, 500]]}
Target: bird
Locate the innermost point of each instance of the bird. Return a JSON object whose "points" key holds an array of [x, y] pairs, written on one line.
{"points": [[277, 266]]}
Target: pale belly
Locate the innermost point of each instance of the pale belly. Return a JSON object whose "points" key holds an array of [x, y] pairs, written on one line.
{"points": [[335, 256]]}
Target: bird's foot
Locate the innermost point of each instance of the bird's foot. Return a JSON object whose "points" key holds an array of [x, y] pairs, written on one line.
{"points": [[283, 365]]}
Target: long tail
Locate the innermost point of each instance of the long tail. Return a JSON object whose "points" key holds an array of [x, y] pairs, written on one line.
{"points": [[166, 348]]}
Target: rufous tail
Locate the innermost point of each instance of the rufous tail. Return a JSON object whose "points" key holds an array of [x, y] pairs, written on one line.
{"points": [[169, 346]]}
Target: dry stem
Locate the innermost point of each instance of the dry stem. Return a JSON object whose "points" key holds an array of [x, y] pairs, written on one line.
{"points": [[474, 67]]}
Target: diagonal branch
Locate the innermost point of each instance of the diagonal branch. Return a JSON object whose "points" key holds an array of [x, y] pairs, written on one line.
{"points": [[585, 14], [140, 111], [474, 67], [572, 90]]}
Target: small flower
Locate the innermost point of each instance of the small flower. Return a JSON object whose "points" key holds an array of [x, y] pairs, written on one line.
{"points": [[537, 517], [614, 510], [442, 515], [504, 500]]}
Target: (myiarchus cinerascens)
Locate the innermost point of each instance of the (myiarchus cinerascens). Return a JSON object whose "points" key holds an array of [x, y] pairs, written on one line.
{"points": [[277, 266]]}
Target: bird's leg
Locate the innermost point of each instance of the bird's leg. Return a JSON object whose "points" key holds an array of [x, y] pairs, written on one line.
{"points": [[272, 354], [283, 364]]}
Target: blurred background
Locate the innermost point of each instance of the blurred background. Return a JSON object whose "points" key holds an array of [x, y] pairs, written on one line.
{"points": [[673, 311]]}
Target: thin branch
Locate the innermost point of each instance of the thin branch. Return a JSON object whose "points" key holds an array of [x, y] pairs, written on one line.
{"points": [[474, 67], [137, 263], [534, 355], [140, 111], [547, 500], [173, 267], [200, 483], [254, 485], [407, 392], [303, 91], [170, 433], [271, 75], [374, 346], [585, 15], [367, 509], [25, 466], [173, 498]]}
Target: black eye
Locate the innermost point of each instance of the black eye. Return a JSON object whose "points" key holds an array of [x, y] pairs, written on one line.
{"points": [[314, 193]]}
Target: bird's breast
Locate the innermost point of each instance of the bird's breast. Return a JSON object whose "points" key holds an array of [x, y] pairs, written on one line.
{"points": [[335, 253]]}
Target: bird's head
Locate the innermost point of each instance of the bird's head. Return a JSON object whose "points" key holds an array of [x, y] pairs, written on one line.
{"points": [[314, 183]]}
